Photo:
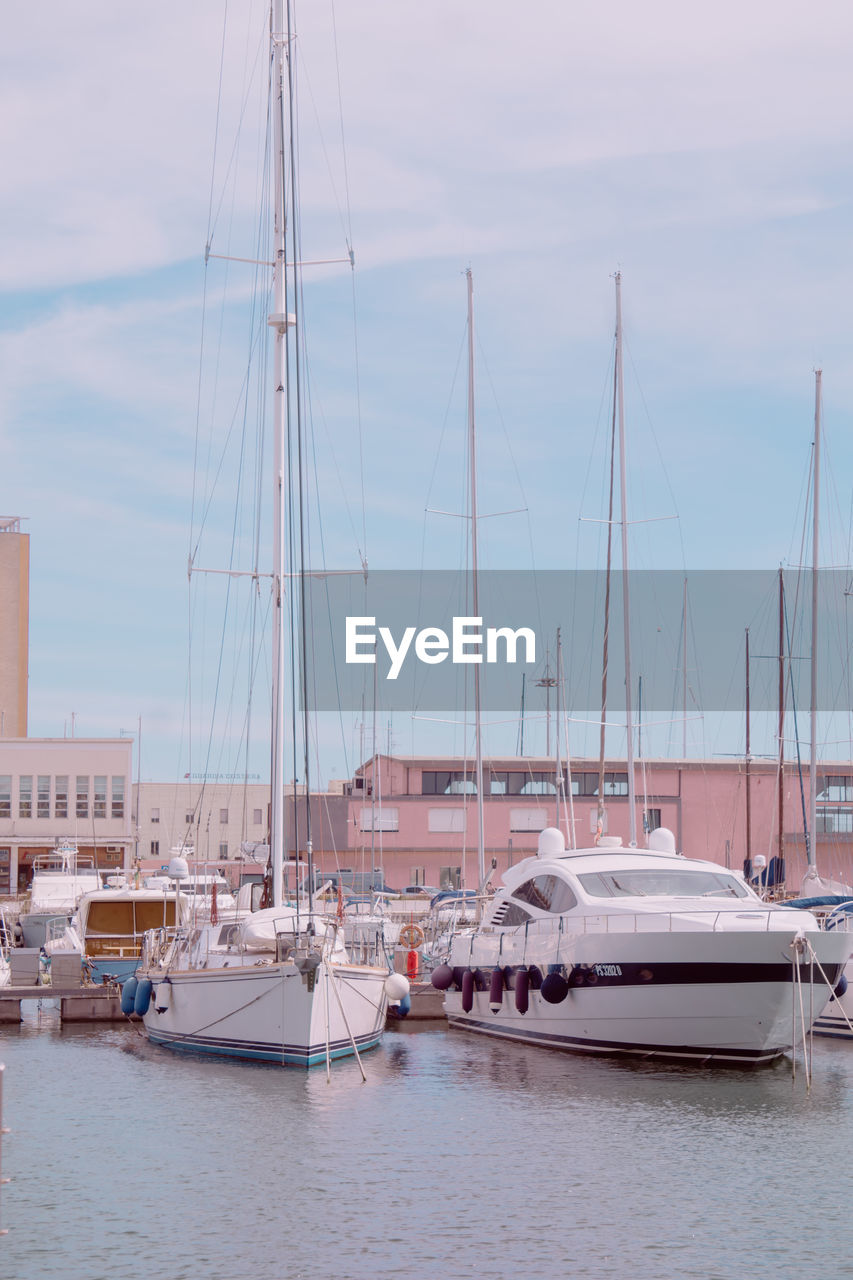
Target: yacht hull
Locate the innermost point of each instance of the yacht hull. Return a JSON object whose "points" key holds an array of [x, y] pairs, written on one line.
{"points": [[269, 1012], [722, 997]]}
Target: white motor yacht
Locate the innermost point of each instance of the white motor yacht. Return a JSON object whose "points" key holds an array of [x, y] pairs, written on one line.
{"points": [[614, 949]]}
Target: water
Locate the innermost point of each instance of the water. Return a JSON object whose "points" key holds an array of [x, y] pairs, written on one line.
{"points": [[458, 1157]]}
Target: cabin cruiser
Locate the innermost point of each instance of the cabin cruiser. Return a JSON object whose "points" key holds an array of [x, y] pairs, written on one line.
{"points": [[614, 949], [60, 878], [109, 925]]}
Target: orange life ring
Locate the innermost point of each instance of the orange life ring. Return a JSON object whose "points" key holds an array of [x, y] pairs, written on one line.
{"points": [[411, 936]]}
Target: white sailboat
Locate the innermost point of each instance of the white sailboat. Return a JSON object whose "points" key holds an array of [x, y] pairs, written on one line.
{"points": [[280, 986], [831, 901]]}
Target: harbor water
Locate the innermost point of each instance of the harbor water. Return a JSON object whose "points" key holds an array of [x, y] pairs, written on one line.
{"points": [[458, 1157]]}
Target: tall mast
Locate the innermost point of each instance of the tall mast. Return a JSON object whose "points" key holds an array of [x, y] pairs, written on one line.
{"points": [[748, 763], [475, 596], [811, 850], [558, 766], [279, 322], [623, 487], [781, 819], [684, 673]]}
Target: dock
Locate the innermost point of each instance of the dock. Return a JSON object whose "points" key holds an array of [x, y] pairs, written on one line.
{"points": [[91, 1003], [76, 1003]]}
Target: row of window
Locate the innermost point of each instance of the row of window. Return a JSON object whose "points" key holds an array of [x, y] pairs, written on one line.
{"points": [[454, 818], [154, 848], [190, 818], [45, 795], [457, 782]]}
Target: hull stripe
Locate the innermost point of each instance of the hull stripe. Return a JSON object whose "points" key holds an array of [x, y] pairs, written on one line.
{"points": [[290, 1055], [748, 1056], [680, 974]]}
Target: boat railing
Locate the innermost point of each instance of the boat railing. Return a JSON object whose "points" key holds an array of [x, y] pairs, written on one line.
{"points": [[568, 928], [64, 862]]}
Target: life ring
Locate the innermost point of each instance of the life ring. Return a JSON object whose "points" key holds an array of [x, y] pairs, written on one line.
{"points": [[412, 936]]}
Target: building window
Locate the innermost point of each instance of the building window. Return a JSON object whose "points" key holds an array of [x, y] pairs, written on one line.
{"points": [[155, 848], [82, 809], [189, 819], [223, 849], [257, 817], [43, 796], [223, 815], [155, 815], [117, 808], [528, 819], [835, 787], [25, 796], [586, 784], [60, 796], [418, 875], [530, 783], [834, 821], [5, 795], [448, 782], [450, 877], [99, 797], [377, 819], [446, 819], [651, 820]]}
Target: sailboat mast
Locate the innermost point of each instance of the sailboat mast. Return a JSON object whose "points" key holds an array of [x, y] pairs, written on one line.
{"points": [[781, 797], [623, 488], [475, 595], [279, 322], [558, 765], [812, 840], [748, 763]]}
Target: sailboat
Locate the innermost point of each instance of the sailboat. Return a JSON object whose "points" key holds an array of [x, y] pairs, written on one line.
{"points": [[279, 986], [832, 902]]}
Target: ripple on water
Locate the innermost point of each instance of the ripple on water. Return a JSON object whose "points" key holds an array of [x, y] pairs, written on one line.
{"points": [[459, 1157]]}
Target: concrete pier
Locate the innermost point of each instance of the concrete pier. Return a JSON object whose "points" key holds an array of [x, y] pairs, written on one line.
{"points": [[76, 1004]]}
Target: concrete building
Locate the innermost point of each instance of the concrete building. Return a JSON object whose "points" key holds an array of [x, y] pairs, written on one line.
{"points": [[416, 816], [216, 818], [14, 627], [52, 788]]}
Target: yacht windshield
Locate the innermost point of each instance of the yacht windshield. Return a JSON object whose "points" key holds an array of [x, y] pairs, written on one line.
{"points": [[654, 882]]}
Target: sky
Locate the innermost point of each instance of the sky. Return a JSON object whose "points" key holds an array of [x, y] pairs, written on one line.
{"points": [[703, 153]]}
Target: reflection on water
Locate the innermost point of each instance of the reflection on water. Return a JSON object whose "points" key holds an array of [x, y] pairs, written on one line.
{"points": [[458, 1157]]}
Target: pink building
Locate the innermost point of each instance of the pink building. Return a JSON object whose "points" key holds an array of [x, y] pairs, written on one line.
{"points": [[415, 817]]}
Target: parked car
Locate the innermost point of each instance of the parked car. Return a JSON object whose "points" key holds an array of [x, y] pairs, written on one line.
{"points": [[420, 890]]}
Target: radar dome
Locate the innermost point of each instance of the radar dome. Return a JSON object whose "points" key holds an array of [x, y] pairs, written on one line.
{"points": [[661, 841], [551, 843]]}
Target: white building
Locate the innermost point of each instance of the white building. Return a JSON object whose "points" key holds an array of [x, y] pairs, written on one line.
{"points": [[52, 788], [215, 817]]}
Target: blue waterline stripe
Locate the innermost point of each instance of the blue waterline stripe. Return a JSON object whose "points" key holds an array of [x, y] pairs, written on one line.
{"points": [[260, 1051]]}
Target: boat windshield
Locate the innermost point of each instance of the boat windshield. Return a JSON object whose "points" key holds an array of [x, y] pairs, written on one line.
{"points": [[660, 882]]}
